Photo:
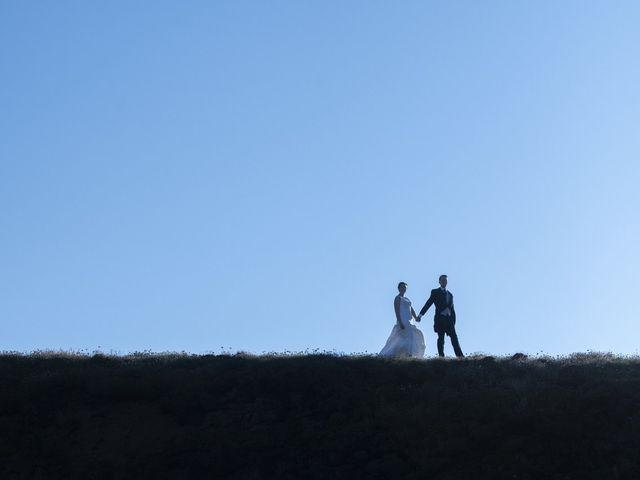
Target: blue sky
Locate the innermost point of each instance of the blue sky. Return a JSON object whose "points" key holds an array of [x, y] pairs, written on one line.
{"points": [[259, 175]]}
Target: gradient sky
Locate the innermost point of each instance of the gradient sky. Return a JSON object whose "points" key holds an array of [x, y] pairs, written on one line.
{"points": [[259, 176]]}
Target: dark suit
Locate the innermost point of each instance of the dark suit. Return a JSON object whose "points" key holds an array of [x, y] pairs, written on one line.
{"points": [[443, 324]]}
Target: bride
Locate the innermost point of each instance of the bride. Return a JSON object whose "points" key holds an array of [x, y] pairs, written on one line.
{"points": [[405, 339]]}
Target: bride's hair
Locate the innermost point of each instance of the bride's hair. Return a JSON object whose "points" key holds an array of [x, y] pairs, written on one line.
{"points": [[400, 284]]}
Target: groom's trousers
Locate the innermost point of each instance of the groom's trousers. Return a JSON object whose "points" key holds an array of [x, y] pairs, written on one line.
{"points": [[447, 327]]}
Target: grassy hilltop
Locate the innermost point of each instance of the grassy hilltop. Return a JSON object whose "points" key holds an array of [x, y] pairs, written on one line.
{"points": [[318, 417]]}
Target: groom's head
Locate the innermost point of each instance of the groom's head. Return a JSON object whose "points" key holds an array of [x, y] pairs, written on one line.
{"points": [[443, 281]]}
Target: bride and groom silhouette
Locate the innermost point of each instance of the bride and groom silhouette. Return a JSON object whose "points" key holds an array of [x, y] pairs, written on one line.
{"points": [[406, 340]]}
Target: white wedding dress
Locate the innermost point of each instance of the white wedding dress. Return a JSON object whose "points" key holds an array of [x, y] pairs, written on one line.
{"points": [[407, 342]]}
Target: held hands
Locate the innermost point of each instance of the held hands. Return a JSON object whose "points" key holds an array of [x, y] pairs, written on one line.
{"points": [[418, 318]]}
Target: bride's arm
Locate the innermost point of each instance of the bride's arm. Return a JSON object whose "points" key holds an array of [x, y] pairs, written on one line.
{"points": [[413, 314], [396, 307]]}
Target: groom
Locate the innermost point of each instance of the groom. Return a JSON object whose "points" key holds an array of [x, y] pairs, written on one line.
{"points": [[444, 322]]}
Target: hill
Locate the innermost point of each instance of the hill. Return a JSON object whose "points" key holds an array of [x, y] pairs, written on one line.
{"points": [[318, 417]]}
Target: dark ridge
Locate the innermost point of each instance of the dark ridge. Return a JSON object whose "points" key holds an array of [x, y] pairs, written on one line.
{"points": [[318, 417]]}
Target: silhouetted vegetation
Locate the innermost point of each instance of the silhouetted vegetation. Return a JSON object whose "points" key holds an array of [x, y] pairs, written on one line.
{"points": [[318, 417]]}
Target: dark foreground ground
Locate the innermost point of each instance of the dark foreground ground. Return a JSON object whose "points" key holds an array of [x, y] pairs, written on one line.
{"points": [[318, 417]]}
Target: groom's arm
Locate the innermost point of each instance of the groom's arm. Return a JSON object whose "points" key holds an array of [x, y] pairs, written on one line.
{"points": [[427, 305]]}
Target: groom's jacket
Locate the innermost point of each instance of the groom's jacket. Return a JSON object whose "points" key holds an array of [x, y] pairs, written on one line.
{"points": [[442, 301]]}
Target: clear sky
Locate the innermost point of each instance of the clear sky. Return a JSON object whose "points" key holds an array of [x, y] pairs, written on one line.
{"points": [[260, 175]]}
